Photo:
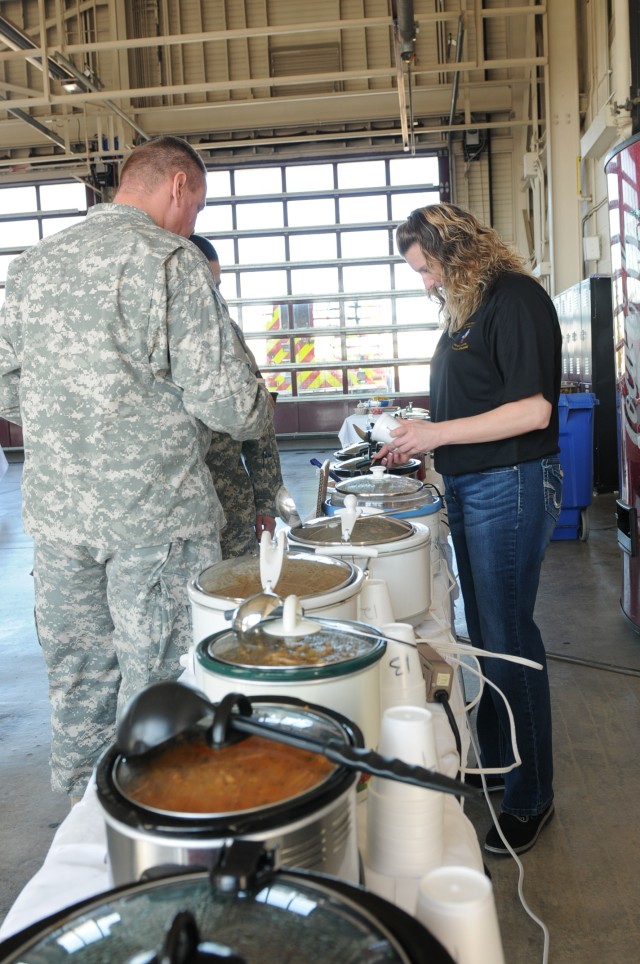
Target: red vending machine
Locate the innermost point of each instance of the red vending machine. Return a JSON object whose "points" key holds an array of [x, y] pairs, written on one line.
{"points": [[622, 167]]}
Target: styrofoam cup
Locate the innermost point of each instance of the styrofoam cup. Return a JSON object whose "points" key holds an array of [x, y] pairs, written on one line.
{"points": [[457, 905], [401, 678], [407, 732], [374, 603], [382, 428]]}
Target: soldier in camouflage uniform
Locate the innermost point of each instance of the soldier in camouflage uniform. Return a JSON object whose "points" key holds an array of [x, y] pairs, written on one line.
{"points": [[246, 475], [118, 359]]}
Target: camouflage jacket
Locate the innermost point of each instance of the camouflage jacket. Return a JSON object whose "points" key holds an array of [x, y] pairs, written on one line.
{"points": [[246, 476], [118, 358]]}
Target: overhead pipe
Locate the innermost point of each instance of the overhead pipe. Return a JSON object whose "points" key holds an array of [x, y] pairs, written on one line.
{"points": [[406, 27]]}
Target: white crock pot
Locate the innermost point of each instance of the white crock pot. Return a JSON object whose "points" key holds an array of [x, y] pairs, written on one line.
{"points": [[399, 497], [326, 587], [402, 556], [341, 667]]}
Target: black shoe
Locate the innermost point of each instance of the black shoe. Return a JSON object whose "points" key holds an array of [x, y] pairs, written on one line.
{"points": [[495, 781], [521, 832]]}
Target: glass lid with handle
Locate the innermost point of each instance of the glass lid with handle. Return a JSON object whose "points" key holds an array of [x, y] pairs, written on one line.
{"points": [[243, 911]]}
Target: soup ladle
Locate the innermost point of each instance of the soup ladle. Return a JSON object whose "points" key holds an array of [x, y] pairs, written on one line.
{"points": [[164, 710]]}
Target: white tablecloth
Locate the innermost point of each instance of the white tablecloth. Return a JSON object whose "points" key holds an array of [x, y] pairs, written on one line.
{"points": [[348, 434], [76, 866]]}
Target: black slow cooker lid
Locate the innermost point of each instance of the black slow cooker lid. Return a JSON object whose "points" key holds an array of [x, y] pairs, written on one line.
{"points": [[289, 916]]}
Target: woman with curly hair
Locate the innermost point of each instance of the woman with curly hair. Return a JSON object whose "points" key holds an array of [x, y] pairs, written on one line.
{"points": [[495, 381]]}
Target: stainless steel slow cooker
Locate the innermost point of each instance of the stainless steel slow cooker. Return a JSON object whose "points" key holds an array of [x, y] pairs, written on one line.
{"points": [[402, 559], [243, 910], [326, 587], [181, 801], [336, 664]]}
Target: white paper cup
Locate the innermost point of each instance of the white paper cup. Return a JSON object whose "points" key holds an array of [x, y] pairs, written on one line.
{"points": [[401, 841], [402, 631], [457, 905], [374, 603], [401, 679], [407, 732], [382, 428]]}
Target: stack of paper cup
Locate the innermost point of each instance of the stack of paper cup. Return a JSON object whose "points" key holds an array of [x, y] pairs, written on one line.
{"points": [[405, 822], [456, 905], [401, 679], [374, 603]]}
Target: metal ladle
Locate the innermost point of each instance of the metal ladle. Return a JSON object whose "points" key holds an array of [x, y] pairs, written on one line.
{"points": [[162, 711]]}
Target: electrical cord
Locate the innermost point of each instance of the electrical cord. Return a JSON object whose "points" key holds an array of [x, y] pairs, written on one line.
{"points": [[443, 698], [527, 909]]}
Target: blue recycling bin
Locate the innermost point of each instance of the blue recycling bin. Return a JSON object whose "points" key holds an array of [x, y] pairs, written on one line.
{"points": [[576, 456]]}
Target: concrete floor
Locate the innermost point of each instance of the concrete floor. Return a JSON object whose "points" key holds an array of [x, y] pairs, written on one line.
{"points": [[580, 879]]}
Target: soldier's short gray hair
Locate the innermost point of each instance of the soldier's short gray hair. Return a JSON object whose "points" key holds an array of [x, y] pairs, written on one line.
{"points": [[160, 158]]}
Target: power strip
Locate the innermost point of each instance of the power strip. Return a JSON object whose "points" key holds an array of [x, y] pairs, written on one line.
{"points": [[438, 675]]}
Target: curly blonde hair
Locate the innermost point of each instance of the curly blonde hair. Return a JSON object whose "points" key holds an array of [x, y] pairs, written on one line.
{"points": [[471, 256]]}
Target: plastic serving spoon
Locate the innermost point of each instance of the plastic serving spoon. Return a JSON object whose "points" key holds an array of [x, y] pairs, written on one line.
{"points": [[162, 711]]}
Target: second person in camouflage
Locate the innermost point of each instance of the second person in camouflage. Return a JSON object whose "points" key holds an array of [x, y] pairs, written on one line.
{"points": [[247, 475]]}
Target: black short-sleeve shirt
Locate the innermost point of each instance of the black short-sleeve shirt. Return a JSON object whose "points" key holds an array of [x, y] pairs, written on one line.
{"points": [[509, 349]]}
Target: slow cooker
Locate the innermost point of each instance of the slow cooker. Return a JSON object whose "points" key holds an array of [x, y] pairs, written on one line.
{"points": [[399, 497], [402, 556], [326, 586], [244, 910], [185, 794], [335, 664]]}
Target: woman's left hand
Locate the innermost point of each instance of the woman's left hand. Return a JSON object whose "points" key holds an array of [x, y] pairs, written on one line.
{"points": [[411, 437]]}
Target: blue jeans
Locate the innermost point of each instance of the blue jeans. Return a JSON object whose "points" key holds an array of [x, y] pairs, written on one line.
{"points": [[501, 522]]}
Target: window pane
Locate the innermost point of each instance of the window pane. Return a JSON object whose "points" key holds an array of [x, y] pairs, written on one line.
{"points": [[303, 214], [320, 349], [225, 251], [313, 247], [371, 277], [418, 311], [403, 204], [263, 284], [265, 318], [367, 312], [323, 314], [229, 285], [370, 379], [215, 218], [369, 346], [309, 177], [259, 215], [418, 344], [414, 170], [414, 379], [53, 225], [361, 174], [319, 380], [17, 200], [314, 281], [261, 250], [259, 180], [5, 261], [218, 184], [20, 234], [63, 197], [406, 279], [365, 244], [361, 210]]}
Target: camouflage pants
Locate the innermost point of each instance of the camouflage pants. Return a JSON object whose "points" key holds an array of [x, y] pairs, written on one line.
{"points": [[109, 623]]}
